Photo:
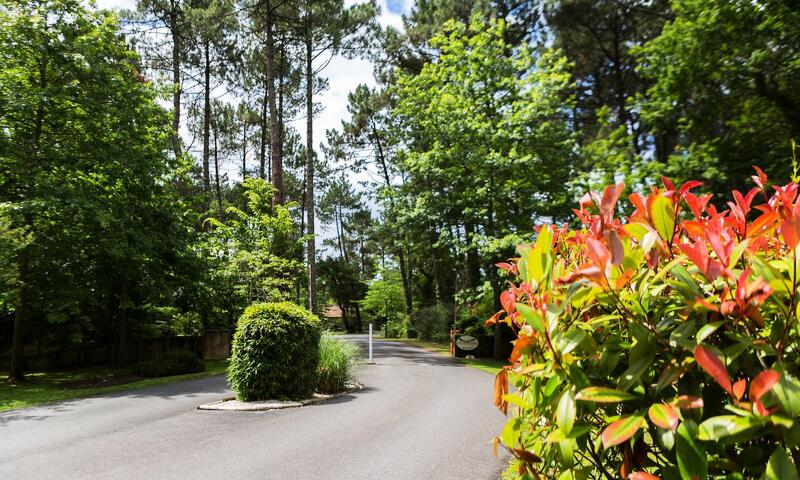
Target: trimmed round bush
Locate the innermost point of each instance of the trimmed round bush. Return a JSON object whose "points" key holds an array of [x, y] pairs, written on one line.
{"points": [[275, 353]]}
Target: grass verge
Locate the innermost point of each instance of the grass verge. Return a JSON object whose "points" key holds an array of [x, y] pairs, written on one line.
{"points": [[46, 387], [486, 364]]}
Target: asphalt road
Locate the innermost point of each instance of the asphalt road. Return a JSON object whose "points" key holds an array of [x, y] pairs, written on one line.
{"points": [[421, 416]]}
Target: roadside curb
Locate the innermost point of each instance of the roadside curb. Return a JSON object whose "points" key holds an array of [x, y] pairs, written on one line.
{"points": [[230, 404]]}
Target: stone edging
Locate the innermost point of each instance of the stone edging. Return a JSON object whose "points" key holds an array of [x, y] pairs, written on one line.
{"points": [[230, 404]]}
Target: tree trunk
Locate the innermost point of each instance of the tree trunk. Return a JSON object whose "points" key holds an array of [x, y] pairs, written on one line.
{"points": [[17, 367], [244, 148], [359, 326], [206, 122], [122, 352], [216, 176], [16, 370], [276, 161], [263, 155], [311, 248], [404, 274], [176, 83]]}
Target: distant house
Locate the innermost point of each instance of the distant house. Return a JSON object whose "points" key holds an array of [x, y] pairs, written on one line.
{"points": [[332, 315], [332, 312]]}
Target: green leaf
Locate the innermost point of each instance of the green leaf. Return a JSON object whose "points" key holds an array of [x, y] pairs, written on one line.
{"points": [[780, 467], [568, 341], [565, 412], [603, 395], [691, 458], [717, 428], [532, 317], [683, 336], [631, 376], [510, 433], [621, 430], [707, 329], [663, 215]]}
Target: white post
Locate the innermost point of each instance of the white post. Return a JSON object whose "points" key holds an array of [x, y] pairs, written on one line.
{"points": [[370, 344]]}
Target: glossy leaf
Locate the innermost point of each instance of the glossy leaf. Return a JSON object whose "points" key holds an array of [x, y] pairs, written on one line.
{"points": [[691, 458], [663, 215], [621, 430], [720, 427], [780, 467], [663, 416], [603, 395], [565, 412], [713, 366]]}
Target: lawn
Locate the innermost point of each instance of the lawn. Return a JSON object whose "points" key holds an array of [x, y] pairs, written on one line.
{"points": [[52, 386], [486, 364]]}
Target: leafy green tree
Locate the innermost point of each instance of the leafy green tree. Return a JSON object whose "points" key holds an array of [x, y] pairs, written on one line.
{"points": [[384, 298], [485, 132], [85, 176], [725, 78], [255, 255]]}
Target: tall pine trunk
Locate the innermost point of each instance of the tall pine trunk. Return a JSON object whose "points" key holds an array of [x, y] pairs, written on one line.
{"points": [[274, 146], [216, 176], [311, 248], [206, 121], [176, 83], [262, 158]]}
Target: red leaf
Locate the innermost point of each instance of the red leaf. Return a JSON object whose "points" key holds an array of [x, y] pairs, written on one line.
{"points": [[714, 367], [764, 221], [505, 266], [643, 476], [689, 185], [790, 229], [609, 201], [493, 319], [760, 385], [687, 402], [761, 179], [500, 389], [617, 249], [519, 345], [738, 389], [663, 416]]}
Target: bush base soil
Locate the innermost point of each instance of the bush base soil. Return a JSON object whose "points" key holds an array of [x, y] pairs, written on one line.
{"points": [[230, 404]]}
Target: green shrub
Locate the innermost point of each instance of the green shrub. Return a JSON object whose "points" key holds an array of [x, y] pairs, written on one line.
{"points": [[661, 346], [275, 352], [430, 321], [173, 363], [396, 328], [337, 360]]}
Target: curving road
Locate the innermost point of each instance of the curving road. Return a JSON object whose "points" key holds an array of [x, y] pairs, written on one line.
{"points": [[422, 416]]}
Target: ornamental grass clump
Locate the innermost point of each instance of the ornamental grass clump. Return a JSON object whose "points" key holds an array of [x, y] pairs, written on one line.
{"points": [[337, 362], [275, 353], [662, 344]]}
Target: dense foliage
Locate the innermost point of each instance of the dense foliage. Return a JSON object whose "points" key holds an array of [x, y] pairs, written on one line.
{"points": [[178, 362], [663, 343], [275, 352], [337, 362]]}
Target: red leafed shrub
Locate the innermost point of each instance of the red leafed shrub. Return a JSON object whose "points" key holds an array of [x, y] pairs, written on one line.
{"points": [[663, 344]]}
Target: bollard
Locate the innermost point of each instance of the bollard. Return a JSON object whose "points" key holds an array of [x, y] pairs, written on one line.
{"points": [[370, 362]]}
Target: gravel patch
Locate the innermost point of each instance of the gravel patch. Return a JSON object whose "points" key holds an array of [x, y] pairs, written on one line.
{"points": [[232, 405]]}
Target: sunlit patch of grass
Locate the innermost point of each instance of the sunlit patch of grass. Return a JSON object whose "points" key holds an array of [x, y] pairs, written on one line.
{"points": [[46, 387]]}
